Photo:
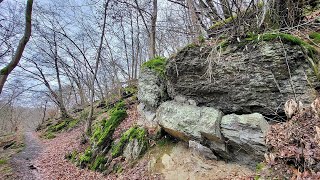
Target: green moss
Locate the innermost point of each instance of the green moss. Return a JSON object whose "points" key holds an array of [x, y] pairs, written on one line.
{"points": [[3, 161], [223, 45], [84, 114], [117, 169], [287, 38], [86, 157], [115, 119], [260, 166], [130, 90], [98, 162], [158, 64], [49, 135], [223, 22], [4, 71], [201, 39], [72, 123], [315, 37], [129, 135], [72, 156]]}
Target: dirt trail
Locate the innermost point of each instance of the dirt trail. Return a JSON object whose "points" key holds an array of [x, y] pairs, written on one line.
{"points": [[22, 163]]}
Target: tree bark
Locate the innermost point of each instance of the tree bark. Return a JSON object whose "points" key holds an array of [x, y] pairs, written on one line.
{"points": [[152, 46], [4, 72]]}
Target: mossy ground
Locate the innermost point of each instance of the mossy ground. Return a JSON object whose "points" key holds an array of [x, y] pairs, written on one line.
{"points": [[65, 124], [158, 64]]}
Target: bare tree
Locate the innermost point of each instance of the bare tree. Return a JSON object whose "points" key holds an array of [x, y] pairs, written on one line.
{"points": [[4, 72], [90, 119]]}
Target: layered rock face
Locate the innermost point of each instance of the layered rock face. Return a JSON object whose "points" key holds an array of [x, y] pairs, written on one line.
{"points": [[249, 79], [152, 91], [219, 100]]}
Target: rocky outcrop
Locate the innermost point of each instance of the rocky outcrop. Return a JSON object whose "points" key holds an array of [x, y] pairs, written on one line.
{"points": [[249, 78], [152, 91], [241, 79], [245, 135], [189, 122], [232, 137]]}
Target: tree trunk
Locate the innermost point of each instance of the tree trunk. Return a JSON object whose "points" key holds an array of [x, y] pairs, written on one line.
{"points": [[4, 73], [90, 116], [152, 46], [196, 27]]}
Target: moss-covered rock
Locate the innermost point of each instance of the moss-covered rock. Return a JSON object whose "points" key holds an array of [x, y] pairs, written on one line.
{"points": [[133, 133], [286, 38], [85, 158], [157, 64], [111, 124], [99, 163]]}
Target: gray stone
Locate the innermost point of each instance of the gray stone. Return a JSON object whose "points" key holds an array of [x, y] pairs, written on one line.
{"points": [[201, 150], [248, 79], [147, 117], [151, 89], [246, 135], [180, 99], [133, 150], [188, 122], [192, 102]]}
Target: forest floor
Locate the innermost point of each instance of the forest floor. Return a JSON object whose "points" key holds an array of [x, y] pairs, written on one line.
{"points": [[45, 159]]}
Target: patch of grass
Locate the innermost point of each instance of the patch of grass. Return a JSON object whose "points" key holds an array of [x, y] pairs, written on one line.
{"points": [[65, 124], [129, 135], [3, 161], [157, 64], [223, 45]]}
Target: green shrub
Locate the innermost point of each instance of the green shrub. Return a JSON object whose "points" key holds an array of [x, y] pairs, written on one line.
{"points": [[158, 64]]}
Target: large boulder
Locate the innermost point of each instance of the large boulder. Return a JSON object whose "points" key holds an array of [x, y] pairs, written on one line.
{"points": [[189, 122], [241, 79], [151, 92], [151, 88], [245, 135]]}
